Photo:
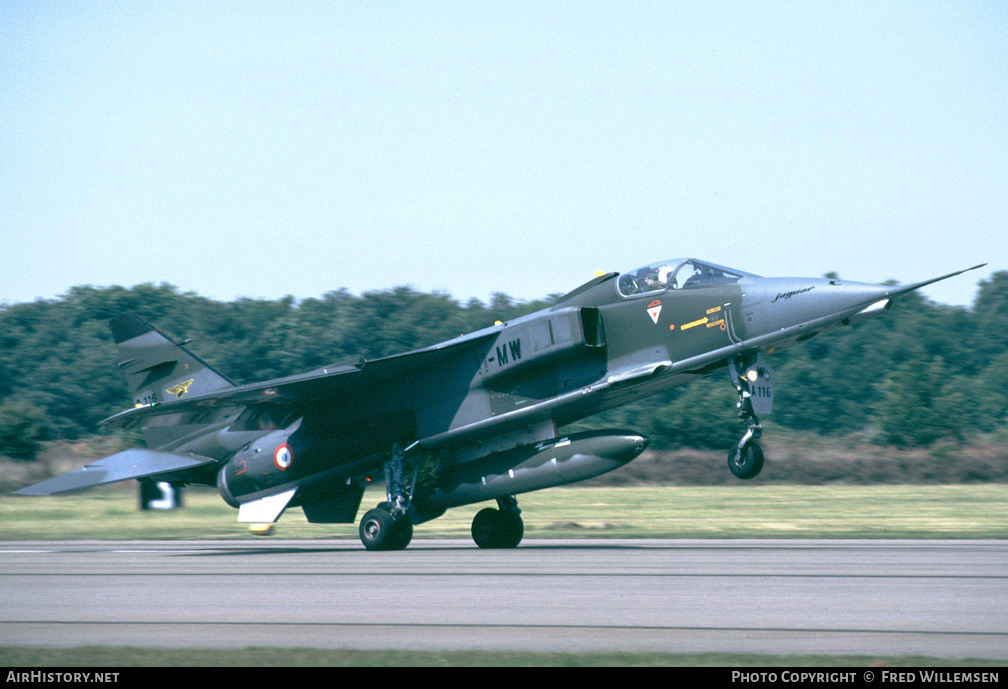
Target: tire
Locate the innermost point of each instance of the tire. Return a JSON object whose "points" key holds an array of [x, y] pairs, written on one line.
{"points": [[484, 527], [378, 530], [403, 534], [493, 528], [747, 463], [512, 529]]}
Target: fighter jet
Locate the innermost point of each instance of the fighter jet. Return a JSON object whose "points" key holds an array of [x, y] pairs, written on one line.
{"points": [[477, 418]]}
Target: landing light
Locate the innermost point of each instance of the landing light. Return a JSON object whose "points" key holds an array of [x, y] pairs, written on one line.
{"points": [[752, 374]]}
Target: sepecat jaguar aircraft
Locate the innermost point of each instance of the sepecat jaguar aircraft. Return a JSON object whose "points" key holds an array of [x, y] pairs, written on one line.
{"points": [[472, 419]]}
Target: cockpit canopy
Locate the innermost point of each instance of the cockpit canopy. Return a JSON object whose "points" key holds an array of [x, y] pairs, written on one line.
{"points": [[679, 273]]}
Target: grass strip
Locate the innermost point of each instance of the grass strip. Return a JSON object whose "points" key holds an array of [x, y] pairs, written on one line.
{"points": [[971, 511], [100, 656]]}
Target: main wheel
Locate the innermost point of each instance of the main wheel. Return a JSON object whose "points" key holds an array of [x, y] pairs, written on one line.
{"points": [[512, 528], [497, 529], [484, 526], [380, 531], [403, 534], [747, 462]]}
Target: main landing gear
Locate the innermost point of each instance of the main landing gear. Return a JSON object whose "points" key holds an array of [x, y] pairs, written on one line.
{"points": [[499, 528], [389, 526], [745, 460]]}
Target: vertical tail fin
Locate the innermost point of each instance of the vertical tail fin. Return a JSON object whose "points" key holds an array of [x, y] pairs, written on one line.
{"points": [[158, 369]]}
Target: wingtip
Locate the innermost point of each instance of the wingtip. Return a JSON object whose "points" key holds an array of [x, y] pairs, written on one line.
{"points": [[26, 491]]}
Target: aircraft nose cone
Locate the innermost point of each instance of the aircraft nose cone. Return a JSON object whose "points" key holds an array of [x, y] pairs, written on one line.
{"points": [[774, 304]]}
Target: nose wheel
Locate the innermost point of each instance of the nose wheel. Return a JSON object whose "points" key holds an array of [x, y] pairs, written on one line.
{"points": [[746, 462]]}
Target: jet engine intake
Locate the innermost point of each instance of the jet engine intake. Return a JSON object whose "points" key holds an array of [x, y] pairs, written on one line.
{"points": [[262, 465]]}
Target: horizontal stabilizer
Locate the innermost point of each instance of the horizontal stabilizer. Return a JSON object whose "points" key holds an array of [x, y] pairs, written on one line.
{"points": [[265, 510], [136, 463]]}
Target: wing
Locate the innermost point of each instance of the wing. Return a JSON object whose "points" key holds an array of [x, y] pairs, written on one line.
{"points": [[322, 384]]}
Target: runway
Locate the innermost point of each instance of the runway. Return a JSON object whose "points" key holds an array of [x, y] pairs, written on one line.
{"points": [[946, 599]]}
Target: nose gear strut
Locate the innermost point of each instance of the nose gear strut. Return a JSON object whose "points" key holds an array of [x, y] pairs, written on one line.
{"points": [[745, 460]]}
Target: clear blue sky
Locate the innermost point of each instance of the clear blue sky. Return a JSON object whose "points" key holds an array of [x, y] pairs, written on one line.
{"points": [[262, 149]]}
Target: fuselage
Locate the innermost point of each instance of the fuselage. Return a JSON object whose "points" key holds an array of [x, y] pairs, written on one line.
{"points": [[607, 343], [475, 418]]}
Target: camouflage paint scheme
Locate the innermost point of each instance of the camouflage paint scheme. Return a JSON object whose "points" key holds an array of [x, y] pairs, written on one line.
{"points": [[472, 419]]}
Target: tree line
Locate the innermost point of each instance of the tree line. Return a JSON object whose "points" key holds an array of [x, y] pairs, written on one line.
{"points": [[919, 373]]}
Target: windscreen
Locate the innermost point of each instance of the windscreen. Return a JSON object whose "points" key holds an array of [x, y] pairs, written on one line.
{"points": [[681, 273]]}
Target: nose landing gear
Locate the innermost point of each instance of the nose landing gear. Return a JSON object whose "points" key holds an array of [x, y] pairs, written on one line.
{"points": [[745, 460]]}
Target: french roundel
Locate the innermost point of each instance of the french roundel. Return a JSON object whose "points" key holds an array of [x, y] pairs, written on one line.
{"points": [[283, 456]]}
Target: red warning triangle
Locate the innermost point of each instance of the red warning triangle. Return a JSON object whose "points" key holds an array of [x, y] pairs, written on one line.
{"points": [[654, 311]]}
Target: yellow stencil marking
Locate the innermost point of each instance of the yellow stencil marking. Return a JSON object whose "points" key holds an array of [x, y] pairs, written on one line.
{"points": [[694, 324]]}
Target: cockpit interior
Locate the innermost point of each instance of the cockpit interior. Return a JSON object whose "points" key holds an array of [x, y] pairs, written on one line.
{"points": [[679, 273]]}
